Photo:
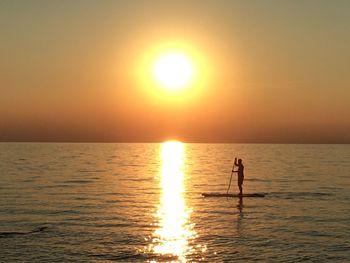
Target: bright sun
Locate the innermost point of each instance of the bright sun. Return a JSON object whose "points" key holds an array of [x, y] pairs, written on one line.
{"points": [[173, 71]]}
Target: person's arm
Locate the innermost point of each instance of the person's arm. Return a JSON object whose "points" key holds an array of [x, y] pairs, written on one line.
{"points": [[234, 164]]}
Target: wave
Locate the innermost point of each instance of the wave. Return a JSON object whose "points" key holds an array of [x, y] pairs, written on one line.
{"points": [[129, 256], [17, 233], [291, 195]]}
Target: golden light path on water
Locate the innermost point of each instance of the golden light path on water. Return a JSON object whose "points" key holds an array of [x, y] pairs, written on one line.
{"points": [[174, 231]]}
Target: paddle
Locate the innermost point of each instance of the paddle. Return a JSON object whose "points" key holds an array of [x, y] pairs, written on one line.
{"points": [[229, 185]]}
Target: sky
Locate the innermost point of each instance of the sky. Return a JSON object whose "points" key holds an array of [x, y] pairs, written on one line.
{"points": [[267, 71]]}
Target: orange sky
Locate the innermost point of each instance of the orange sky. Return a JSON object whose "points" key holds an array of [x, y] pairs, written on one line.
{"points": [[268, 71]]}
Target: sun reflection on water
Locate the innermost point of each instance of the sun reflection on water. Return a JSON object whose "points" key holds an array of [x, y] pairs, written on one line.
{"points": [[174, 229]]}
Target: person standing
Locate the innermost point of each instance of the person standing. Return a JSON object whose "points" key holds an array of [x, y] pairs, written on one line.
{"points": [[240, 175]]}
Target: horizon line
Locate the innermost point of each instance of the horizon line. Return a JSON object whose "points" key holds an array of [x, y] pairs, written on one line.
{"points": [[158, 142]]}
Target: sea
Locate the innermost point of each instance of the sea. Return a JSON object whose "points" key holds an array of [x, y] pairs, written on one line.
{"points": [[106, 202]]}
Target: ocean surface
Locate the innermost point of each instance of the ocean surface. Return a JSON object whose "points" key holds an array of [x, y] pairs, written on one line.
{"points": [[142, 203]]}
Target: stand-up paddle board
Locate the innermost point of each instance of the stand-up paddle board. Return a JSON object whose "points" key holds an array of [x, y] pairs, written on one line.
{"points": [[232, 195]]}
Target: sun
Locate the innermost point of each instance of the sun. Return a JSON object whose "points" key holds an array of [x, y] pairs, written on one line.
{"points": [[173, 71]]}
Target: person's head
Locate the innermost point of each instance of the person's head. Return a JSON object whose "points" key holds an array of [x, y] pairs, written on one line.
{"points": [[239, 161]]}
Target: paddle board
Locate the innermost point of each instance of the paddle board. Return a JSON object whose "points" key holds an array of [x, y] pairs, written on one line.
{"points": [[232, 195]]}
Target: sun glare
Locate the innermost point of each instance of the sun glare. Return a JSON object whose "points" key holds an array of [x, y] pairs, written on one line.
{"points": [[173, 71], [174, 234]]}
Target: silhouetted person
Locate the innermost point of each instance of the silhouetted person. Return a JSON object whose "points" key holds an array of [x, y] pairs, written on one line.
{"points": [[240, 173]]}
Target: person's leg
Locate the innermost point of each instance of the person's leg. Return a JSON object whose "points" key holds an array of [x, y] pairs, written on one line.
{"points": [[240, 183]]}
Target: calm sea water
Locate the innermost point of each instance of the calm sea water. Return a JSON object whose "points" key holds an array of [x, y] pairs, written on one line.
{"points": [[142, 203]]}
